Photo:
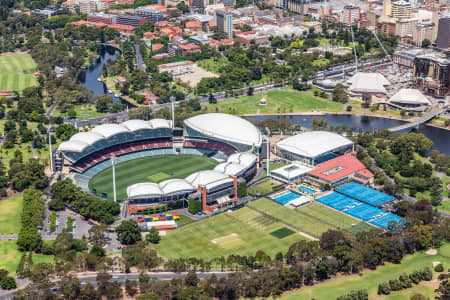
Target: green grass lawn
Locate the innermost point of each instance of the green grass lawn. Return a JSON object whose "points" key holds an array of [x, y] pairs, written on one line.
{"points": [[242, 232], [17, 72], [263, 187], [9, 256], [83, 112], [313, 219], [370, 279], [213, 65], [278, 101], [277, 165], [139, 170], [183, 220], [10, 210]]}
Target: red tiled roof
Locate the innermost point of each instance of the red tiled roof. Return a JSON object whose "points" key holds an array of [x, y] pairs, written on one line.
{"points": [[347, 162], [120, 26]]}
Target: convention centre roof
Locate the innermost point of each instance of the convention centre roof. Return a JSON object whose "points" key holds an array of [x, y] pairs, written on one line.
{"points": [[368, 83], [409, 96]]}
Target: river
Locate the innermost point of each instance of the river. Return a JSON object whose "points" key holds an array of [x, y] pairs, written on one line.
{"points": [[439, 136], [89, 77]]}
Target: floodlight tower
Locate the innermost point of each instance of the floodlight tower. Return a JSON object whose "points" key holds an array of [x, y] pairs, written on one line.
{"points": [[113, 163], [172, 101]]}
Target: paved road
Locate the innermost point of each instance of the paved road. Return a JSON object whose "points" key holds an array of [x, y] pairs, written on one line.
{"points": [[139, 60], [120, 277]]}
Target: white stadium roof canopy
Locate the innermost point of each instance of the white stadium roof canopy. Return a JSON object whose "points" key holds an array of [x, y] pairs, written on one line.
{"points": [[246, 159], [209, 179], [173, 186], [144, 189], [226, 127], [82, 140], [232, 169], [134, 125], [409, 96], [368, 83], [314, 143]]}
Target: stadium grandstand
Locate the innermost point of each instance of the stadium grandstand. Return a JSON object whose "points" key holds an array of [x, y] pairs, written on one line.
{"points": [[313, 147], [233, 130], [340, 170], [232, 141]]}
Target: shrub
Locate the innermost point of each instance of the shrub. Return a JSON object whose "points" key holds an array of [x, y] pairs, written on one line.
{"points": [[384, 288], [153, 236], [8, 283], [194, 206], [439, 268], [53, 222]]}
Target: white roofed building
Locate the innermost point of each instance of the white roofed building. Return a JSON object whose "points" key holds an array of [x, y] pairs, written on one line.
{"points": [[373, 83], [230, 129], [410, 99], [313, 146], [292, 172]]}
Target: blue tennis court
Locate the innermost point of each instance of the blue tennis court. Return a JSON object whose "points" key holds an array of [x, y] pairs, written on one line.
{"points": [[286, 198], [338, 201], [365, 212], [384, 220], [364, 194], [306, 189]]}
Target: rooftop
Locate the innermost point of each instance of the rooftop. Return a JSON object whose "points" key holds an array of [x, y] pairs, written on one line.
{"points": [[314, 143], [340, 167]]}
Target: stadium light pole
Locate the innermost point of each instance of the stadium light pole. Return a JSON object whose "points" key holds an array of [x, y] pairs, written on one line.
{"points": [[172, 100], [268, 157], [113, 163]]}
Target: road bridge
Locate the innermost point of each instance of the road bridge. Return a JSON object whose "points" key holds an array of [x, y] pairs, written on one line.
{"points": [[435, 111]]}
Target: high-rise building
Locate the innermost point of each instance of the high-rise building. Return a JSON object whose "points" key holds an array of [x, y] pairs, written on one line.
{"points": [[351, 15], [101, 17], [423, 32], [443, 33], [200, 4], [401, 9], [387, 8], [130, 20], [225, 22], [296, 6], [87, 6], [432, 74], [149, 13]]}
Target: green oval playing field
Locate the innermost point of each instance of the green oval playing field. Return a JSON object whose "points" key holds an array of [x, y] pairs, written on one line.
{"points": [[153, 169]]}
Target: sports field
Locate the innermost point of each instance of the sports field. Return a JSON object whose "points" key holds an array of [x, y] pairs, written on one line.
{"points": [[153, 169], [313, 219], [17, 72], [278, 101], [370, 279], [242, 232]]}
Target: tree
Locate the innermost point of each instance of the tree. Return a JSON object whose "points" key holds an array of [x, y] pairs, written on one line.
{"points": [[212, 99], [194, 206], [65, 131], [142, 113], [97, 234], [426, 43], [153, 236], [98, 251], [183, 7], [242, 189], [70, 288], [128, 232], [8, 283], [339, 94], [131, 287]]}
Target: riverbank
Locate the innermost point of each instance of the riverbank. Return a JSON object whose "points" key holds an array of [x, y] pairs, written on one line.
{"points": [[110, 85]]}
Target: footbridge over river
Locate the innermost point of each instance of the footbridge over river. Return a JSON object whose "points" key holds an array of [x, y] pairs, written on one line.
{"points": [[434, 112]]}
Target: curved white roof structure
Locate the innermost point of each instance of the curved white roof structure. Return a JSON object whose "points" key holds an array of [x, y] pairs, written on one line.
{"points": [[89, 138], [160, 123], [246, 159], [368, 83], [134, 125], [226, 127], [232, 169], [410, 96], [174, 186], [209, 179], [80, 141], [145, 189], [75, 146], [314, 143], [109, 130]]}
